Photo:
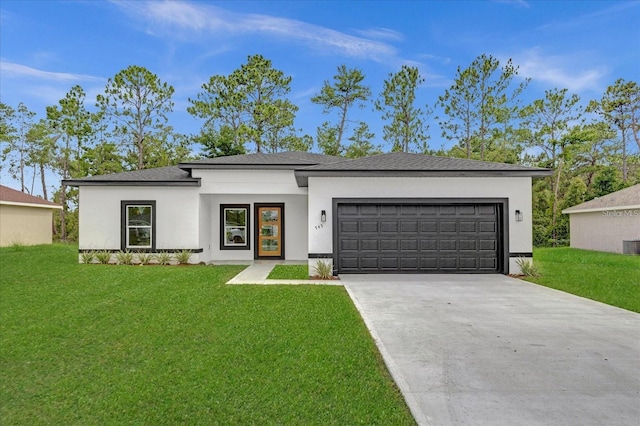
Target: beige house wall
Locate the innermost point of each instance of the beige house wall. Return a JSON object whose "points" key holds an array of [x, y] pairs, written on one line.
{"points": [[604, 230], [25, 225]]}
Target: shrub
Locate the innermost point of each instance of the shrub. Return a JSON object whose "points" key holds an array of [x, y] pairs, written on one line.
{"points": [[163, 258], [183, 257], [87, 256], [145, 258], [323, 269], [527, 267], [103, 256], [124, 257]]}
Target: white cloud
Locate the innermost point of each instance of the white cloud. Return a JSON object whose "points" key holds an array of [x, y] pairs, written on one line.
{"points": [[11, 69], [381, 34], [560, 71], [193, 21]]}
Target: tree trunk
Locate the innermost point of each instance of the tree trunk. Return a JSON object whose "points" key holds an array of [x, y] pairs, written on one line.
{"points": [[42, 179], [554, 212]]}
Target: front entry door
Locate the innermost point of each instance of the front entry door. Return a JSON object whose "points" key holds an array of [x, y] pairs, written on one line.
{"points": [[269, 230]]}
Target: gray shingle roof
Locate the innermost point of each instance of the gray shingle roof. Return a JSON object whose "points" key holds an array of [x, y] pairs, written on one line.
{"points": [[418, 165], [307, 164], [396, 161], [171, 175], [290, 158], [624, 199]]}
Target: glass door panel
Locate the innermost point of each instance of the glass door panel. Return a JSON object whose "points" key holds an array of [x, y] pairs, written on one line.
{"points": [[269, 235]]}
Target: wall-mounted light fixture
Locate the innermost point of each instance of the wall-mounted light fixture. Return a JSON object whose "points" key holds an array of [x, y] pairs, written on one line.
{"points": [[323, 216], [519, 216]]}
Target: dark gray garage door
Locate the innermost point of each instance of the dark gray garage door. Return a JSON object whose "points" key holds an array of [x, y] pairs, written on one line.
{"points": [[441, 238]]}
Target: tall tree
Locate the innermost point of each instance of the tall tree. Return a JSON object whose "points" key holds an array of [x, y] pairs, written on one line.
{"points": [[406, 126], [327, 139], [16, 125], [8, 131], [218, 143], [620, 107], [251, 102], [548, 123], [480, 103], [74, 127], [346, 91], [41, 142], [137, 102], [361, 145]]}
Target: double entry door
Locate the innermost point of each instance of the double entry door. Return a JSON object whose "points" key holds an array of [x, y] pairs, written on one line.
{"points": [[269, 230]]}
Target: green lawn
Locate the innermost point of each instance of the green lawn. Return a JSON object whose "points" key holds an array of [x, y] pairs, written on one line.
{"points": [[100, 344], [289, 272], [606, 277]]}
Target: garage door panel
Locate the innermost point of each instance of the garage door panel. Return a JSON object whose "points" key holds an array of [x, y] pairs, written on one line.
{"points": [[409, 263], [428, 245], [348, 226], [429, 263], [448, 263], [468, 245], [349, 245], [409, 245], [448, 227], [468, 226], [409, 226], [389, 245], [390, 263], [489, 227], [448, 245], [387, 226], [370, 245], [418, 237], [369, 210], [428, 226]]}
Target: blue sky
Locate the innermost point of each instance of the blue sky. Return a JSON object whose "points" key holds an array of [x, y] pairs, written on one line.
{"points": [[46, 47]]}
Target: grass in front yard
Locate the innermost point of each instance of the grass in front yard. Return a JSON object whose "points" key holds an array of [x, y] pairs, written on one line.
{"points": [[606, 277], [289, 272], [100, 344]]}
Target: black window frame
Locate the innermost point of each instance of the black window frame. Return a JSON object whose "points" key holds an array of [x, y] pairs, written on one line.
{"points": [[223, 232], [124, 226]]}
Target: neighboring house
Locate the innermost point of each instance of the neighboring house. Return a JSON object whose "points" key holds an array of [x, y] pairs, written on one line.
{"points": [[25, 219], [604, 223], [397, 212]]}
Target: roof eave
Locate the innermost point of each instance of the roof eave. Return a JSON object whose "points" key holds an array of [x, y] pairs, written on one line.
{"points": [[302, 176], [36, 205], [572, 210], [188, 166], [80, 182]]}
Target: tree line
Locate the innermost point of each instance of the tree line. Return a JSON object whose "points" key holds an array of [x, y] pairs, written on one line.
{"points": [[593, 149]]}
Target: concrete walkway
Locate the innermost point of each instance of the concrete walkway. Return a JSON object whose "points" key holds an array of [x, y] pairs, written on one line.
{"points": [[258, 271], [493, 350]]}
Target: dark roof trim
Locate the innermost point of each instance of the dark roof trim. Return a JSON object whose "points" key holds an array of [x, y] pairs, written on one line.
{"points": [[192, 166], [302, 176], [80, 182]]}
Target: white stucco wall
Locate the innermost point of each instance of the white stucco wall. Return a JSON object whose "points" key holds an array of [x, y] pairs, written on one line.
{"points": [[189, 217], [176, 216], [322, 190], [295, 224], [604, 230]]}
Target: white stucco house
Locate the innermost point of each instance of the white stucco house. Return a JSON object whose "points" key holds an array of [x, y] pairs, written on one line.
{"points": [[606, 223], [390, 213]]}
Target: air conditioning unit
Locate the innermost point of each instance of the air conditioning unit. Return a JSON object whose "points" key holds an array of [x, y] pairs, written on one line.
{"points": [[631, 247]]}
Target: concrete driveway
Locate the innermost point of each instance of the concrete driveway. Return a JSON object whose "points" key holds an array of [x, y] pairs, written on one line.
{"points": [[493, 350]]}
